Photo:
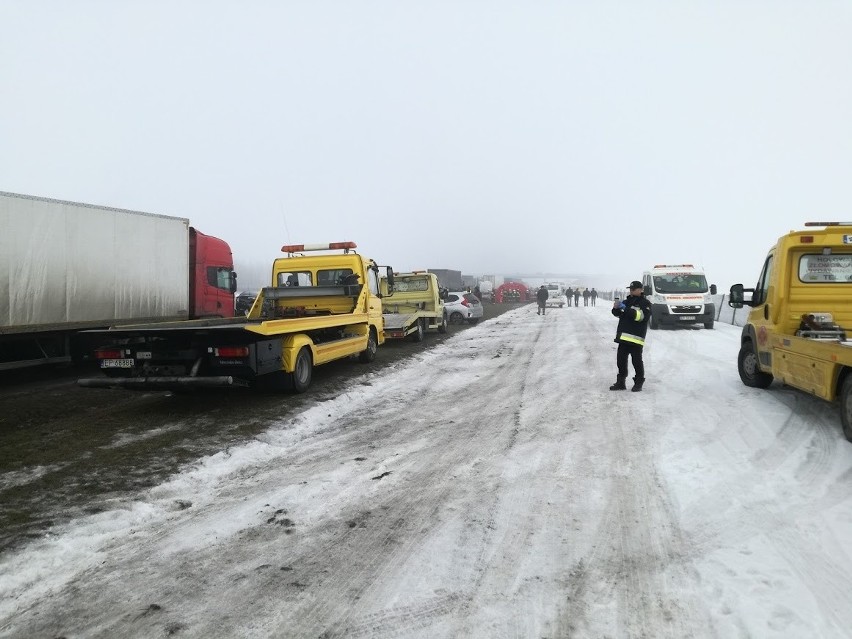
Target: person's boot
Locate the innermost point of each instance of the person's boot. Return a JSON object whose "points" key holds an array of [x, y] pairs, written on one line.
{"points": [[637, 384], [619, 383]]}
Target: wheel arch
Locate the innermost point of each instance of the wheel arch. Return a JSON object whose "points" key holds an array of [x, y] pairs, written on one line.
{"points": [[748, 335], [292, 345], [842, 374]]}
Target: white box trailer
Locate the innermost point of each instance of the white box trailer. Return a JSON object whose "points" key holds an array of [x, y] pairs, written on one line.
{"points": [[66, 266]]}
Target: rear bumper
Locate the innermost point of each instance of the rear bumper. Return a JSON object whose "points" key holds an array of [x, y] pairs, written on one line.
{"points": [[398, 333], [161, 383]]}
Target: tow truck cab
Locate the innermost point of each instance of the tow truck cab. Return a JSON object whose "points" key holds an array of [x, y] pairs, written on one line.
{"points": [[412, 306], [801, 316]]}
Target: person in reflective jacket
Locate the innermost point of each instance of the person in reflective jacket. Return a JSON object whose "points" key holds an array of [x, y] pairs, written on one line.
{"points": [[633, 314]]}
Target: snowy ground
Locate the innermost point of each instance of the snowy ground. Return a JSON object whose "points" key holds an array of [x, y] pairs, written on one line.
{"points": [[492, 488]]}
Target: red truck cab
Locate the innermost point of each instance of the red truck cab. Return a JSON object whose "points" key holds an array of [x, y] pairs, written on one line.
{"points": [[212, 281]]}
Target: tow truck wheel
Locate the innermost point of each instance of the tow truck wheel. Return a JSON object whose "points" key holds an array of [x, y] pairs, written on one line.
{"points": [[442, 327], [417, 335], [846, 407], [369, 353], [749, 370], [303, 371]]}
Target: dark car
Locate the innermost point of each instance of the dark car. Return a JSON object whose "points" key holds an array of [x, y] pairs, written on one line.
{"points": [[243, 302]]}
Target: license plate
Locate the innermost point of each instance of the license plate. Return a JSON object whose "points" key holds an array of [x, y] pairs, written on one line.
{"points": [[116, 363], [690, 318]]}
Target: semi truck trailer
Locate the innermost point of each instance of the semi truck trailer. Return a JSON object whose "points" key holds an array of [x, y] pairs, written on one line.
{"points": [[67, 266]]}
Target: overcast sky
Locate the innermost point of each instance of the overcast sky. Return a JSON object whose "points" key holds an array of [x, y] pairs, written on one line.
{"points": [[486, 136]]}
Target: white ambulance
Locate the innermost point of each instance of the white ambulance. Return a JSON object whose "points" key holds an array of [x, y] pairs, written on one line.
{"points": [[679, 295]]}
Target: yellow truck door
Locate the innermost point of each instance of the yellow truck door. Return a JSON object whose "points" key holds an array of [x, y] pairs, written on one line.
{"points": [[761, 316], [374, 304]]}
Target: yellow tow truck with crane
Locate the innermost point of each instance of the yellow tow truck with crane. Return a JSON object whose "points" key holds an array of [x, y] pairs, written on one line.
{"points": [[320, 307], [801, 316]]}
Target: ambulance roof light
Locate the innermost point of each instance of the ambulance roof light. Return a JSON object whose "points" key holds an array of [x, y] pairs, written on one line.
{"points": [[331, 246]]}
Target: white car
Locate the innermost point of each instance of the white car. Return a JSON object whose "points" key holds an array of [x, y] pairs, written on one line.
{"points": [[461, 306], [555, 296]]}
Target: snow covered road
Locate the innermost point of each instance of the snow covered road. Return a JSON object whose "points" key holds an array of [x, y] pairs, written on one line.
{"points": [[493, 487]]}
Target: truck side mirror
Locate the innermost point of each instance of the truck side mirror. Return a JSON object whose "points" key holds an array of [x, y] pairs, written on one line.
{"points": [[713, 289], [737, 296], [233, 282], [389, 278]]}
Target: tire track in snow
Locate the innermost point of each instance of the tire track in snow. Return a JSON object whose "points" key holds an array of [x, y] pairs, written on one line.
{"points": [[329, 442], [631, 581], [488, 531], [451, 451]]}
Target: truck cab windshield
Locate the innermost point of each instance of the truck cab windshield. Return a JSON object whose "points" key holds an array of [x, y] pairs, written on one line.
{"points": [[678, 283]]}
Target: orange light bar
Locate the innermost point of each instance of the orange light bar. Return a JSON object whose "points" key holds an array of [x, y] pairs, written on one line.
{"points": [[299, 248]]}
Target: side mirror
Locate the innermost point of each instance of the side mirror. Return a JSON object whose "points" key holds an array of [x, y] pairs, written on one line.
{"points": [[388, 277], [713, 289], [737, 296], [233, 282]]}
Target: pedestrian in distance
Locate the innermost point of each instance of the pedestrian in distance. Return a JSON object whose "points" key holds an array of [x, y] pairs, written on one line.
{"points": [[576, 297], [586, 297], [633, 314], [569, 293], [541, 297], [593, 295]]}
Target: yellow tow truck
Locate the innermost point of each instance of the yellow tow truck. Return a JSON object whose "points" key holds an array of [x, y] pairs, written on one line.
{"points": [[320, 307], [798, 328], [415, 308]]}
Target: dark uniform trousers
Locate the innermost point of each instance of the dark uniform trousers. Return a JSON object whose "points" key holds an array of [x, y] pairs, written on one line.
{"points": [[635, 352]]}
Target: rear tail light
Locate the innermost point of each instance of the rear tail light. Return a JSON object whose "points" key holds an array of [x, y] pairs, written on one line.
{"points": [[231, 351], [108, 353], [465, 302]]}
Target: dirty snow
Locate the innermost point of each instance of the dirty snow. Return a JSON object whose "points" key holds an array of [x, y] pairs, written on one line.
{"points": [[493, 486]]}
